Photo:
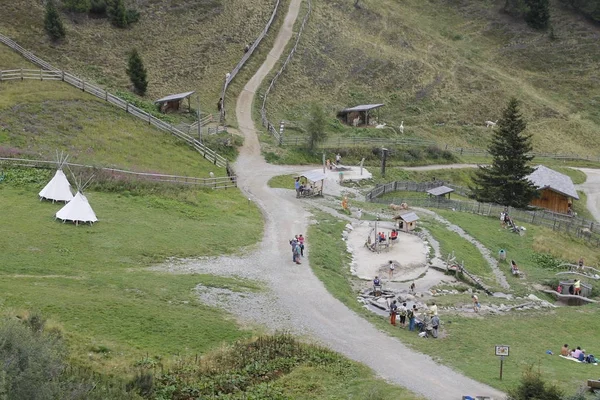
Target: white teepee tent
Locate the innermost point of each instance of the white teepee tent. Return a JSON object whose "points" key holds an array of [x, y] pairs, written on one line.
{"points": [[78, 210], [59, 188]]}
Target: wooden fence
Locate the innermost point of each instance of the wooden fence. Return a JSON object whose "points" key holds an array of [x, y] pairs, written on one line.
{"points": [[207, 153], [579, 227], [121, 174], [263, 110], [245, 58]]}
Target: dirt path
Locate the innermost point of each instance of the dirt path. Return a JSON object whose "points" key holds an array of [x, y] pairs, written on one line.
{"points": [[440, 166], [591, 187], [303, 304]]}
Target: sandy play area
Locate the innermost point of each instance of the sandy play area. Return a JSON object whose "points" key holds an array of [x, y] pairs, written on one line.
{"points": [[409, 254]]}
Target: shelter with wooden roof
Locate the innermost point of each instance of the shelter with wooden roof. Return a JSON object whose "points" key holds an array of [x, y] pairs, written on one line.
{"points": [[557, 190], [359, 115], [407, 222], [173, 102], [312, 183], [440, 191]]}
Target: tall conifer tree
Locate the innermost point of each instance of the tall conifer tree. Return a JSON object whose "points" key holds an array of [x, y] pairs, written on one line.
{"points": [[505, 180], [137, 72]]}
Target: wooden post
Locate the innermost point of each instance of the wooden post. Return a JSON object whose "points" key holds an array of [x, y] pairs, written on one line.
{"points": [[21, 73], [41, 75], [62, 75], [82, 85]]}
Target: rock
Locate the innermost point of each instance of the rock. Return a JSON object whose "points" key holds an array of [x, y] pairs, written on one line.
{"points": [[349, 227], [533, 297]]}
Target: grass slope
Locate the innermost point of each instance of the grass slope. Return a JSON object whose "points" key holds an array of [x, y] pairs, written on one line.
{"points": [[467, 343], [93, 280], [185, 45], [38, 118], [445, 68]]}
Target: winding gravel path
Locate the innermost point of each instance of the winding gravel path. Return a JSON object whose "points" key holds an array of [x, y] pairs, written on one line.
{"points": [[303, 304], [591, 187]]}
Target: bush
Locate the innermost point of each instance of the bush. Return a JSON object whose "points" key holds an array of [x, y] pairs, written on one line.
{"points": [[80, 6], [532, 386], [98, 7], [52, 22]]}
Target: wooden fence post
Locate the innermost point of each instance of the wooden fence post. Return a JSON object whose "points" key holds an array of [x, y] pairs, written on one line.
{"points": [[21, 73], [41, 75], [82, 85], [62, 75]]}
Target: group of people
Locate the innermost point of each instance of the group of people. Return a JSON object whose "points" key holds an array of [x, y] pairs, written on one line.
{"points": [[381, 236], [575, 288], [302, 188], [577, 353], [338, 161], [297, 244], [428, 325]]}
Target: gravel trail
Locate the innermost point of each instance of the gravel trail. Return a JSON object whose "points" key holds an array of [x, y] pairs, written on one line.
{"points": [[591, 187], [303, 304]]}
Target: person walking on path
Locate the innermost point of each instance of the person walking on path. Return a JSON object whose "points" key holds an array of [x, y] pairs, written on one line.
{"points": [[476, 304], [402, 312], [293, 243], [297, 253], [411, 317], [338, 159], [412, 288], [301, 242], [393, 312], [392, 267], [297, 187]]}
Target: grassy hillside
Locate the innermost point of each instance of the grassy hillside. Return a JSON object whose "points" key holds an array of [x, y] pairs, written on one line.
{"points": [[38, 118], [446, 67], [186, 45]]}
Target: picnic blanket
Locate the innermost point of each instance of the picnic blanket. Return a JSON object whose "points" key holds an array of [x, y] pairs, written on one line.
{"points": [[569, 358]]}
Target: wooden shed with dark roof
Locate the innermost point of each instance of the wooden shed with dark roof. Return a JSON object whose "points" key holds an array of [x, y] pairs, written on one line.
{"points": [[173, 102], [358, 115], [557, 190]]}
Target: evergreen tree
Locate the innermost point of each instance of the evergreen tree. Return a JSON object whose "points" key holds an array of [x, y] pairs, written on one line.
{"points": [[505, 181], [137, 72], [52, 22], [316, 126], [118, 13], [538, 14]]}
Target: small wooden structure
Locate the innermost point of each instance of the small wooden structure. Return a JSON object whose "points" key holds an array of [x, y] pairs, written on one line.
{"points": [[407, 222], [312, 183], [557, 190], [440, 191], [586, 290], [359, 114], [173, 102]]}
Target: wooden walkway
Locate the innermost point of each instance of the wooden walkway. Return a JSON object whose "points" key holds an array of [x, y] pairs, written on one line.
{"points": [[561, 296]]}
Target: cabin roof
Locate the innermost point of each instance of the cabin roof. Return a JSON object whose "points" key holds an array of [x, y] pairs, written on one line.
{"points": [[546, 178]]}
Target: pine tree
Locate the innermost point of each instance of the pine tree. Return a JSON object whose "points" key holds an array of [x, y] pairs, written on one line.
{"points": [[505, 181], [52, 22], [538, 14], [316, 126], [118, 13], [137, 72]]}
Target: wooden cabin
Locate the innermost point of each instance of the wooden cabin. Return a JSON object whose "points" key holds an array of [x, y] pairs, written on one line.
{"points": [[359, 115], [557, 190], [407, 222], [173, 102]]}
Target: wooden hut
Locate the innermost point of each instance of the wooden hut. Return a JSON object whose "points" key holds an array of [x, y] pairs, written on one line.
{"points": [[173, 102], [557, 190], [440, 191], [361, 114], [407, 222]]}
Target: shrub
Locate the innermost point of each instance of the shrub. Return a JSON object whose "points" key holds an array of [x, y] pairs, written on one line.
{"points": [[80, 6], [52, 22], [532, 386], [117, 13], [98, 7]]}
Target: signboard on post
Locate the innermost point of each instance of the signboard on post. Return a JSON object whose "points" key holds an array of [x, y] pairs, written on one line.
{"points": [[502, 351]]}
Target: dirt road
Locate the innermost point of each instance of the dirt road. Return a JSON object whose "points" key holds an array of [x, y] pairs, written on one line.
{"points": [[591, 187], [308, 305]]}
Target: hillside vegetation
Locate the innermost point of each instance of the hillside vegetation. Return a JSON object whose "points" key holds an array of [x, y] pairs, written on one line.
{"points": [[186, 45], [444, 68]]}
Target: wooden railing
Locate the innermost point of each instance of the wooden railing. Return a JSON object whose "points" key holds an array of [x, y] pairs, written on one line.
{"points": [[223, 182], [263, 109], [206, 152], [245, 58]]}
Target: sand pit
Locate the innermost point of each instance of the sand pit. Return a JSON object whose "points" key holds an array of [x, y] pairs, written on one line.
{"points": [[409, 254]]}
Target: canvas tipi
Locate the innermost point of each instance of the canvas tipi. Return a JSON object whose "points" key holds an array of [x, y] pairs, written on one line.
{"points": [[78, 210], [59, 188]]}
